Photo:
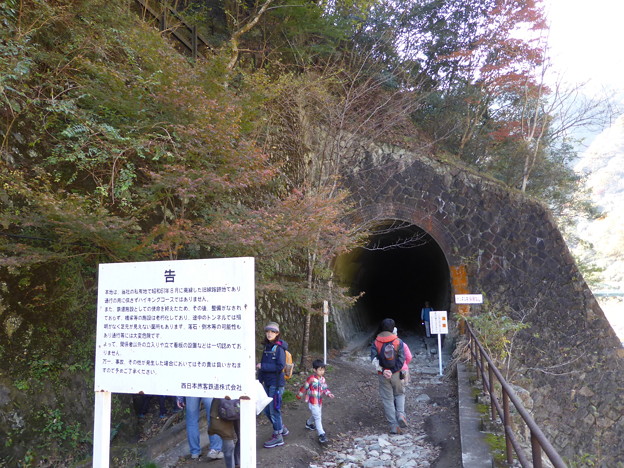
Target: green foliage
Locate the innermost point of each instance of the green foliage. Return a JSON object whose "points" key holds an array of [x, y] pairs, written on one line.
{"points": [[148, 465], [57, 429], [288, 396], [582, 461], [496, 442], [593, 274], [496, 331], [22, 385]]}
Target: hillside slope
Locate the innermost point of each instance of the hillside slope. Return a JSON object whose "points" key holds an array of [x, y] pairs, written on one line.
{"points": [[602, 162], [603, 165]]}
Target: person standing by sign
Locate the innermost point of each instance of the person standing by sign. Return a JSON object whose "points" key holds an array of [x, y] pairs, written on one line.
{"points": [[388, 355], [424, 316], [145, 404], [271, 376], [192, 405], [229, 431]]}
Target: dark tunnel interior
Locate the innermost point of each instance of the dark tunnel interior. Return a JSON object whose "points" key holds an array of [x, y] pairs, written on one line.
{"points": [[399, 269]]}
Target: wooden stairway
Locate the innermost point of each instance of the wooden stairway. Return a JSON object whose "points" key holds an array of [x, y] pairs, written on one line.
{"points": [[170, 23]]}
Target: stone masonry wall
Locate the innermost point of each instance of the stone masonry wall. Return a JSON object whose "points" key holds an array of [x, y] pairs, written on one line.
{"points": [[569, 359]]}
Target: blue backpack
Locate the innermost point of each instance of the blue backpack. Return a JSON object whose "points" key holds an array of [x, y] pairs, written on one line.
{"points": [[388, 354]]}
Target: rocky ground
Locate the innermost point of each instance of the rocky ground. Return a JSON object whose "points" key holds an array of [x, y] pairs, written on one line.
{"points": [[354, 421]]}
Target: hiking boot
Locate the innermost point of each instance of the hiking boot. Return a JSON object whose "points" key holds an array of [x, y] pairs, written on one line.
{"points": [[322, 439], [402, 420], [275, 441], [310, 427], [396, 430], [285, 431]]}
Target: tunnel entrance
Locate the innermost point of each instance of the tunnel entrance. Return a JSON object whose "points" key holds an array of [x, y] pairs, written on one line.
{"points": [[399, 269]]}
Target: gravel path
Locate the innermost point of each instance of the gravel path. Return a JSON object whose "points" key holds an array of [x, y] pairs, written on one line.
{"points": [[354, 420]]}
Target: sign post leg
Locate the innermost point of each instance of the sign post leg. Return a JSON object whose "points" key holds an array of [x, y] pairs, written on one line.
{"points": [[325, 319], [440, 351], [101, 430], [248, 432]]}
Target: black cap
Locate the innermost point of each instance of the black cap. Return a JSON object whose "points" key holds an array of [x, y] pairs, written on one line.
{"points": [[387, 325]]}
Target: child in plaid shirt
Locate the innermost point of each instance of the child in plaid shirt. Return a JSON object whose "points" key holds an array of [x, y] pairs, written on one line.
{"points": [[314, 388]]}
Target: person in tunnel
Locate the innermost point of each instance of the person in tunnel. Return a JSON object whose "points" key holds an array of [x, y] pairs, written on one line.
{"points": [[424, 316], [388, 355]]}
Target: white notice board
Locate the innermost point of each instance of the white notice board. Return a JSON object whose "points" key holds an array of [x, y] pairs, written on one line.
{"points": [[438, 322], [184, 327], [468, 298]]}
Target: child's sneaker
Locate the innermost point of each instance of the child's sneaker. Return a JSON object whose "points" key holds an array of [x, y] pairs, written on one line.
{"points": [[310, 427], [285, 431], [274, 441], [323, 439]]}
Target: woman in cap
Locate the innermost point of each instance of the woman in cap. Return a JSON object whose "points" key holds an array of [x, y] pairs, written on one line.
{"points": [[271, 376]]}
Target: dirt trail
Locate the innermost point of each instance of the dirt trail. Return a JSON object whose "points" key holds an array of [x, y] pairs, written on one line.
{"points": [[431, 407]]}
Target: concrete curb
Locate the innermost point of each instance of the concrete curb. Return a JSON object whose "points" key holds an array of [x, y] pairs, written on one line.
{"points": [[475, 451]]}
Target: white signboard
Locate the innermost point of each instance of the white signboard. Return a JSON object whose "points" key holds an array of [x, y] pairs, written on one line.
{"points": [[468, 298], [183, 327], [438, 322]]}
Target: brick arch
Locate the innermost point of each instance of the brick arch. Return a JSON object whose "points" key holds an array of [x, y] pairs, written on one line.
{"points": [[412, 214]]}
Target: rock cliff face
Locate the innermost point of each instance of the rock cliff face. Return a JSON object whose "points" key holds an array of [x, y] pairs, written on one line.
{"points": [[504, 245]]}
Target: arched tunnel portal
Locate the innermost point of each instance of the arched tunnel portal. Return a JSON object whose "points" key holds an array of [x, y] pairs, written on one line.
{"points": [[399, 269]]}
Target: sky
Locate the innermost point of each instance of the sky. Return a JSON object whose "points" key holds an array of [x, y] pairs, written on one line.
{"points": [[587, 38], [587, 42]]}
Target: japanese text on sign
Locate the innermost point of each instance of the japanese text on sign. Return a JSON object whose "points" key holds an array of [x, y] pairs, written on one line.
{"points": [[438, 322], [176, 327], [468, 298]]}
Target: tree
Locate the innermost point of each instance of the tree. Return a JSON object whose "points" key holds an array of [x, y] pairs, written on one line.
{"points": [[240, 29], [478, 61], [544, 115], [317, 124]]}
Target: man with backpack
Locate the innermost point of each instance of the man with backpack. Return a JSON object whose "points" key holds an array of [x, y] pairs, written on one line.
{"points": [[388, 355]]}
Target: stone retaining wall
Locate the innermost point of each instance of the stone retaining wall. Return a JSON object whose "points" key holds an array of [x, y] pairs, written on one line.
{"points": [[511, 250]]}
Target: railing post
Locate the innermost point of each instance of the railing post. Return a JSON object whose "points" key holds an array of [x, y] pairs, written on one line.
{"points": [[536, 451], [194, 42], [508, 427], [163, 20], [492, 394], [482, 369], [473, 350]]}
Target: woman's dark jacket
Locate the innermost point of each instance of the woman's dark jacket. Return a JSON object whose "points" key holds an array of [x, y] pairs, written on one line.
{"points": [[272, 364]]}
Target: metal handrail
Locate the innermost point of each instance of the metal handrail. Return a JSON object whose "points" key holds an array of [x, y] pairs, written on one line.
{"points": [[539, 442]]}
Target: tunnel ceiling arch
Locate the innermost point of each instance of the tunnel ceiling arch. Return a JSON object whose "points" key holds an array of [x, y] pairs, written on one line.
{"points": [[399, 269]]}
